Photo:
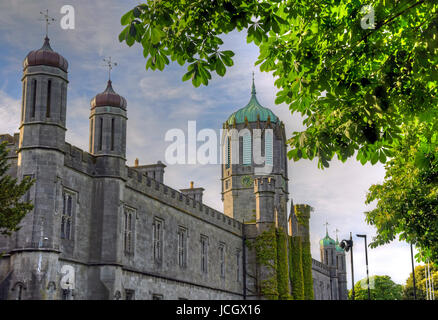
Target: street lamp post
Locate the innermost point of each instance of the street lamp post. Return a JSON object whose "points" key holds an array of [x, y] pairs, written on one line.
{"points": [[366, 260], [347, 245], [413, 273]]}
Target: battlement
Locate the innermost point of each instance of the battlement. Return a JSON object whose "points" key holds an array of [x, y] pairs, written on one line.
{"points": [[264, 184], [154, 171], [302, 210], [320, 267], [15, 139], [11, 143], [138, 181], [78, 159]]}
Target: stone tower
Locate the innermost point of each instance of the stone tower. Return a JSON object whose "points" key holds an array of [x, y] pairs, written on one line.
{"points": [[342, 272], [253, 145], [41, 156], [328, 257], [108, 120]]}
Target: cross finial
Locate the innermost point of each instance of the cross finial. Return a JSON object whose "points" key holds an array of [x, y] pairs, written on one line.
{"points": [[326, 228], [48, 19], [253, 90], [110, 64]]}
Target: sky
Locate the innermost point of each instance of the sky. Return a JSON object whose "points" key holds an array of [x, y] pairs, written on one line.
{"points": [[160, 101]]}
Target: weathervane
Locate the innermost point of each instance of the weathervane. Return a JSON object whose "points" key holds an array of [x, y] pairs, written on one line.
{"points": [[253, 91], [48, 19], [110, 64]]}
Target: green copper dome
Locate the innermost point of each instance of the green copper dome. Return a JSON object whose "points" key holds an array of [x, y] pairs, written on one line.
{"points": [[251, 110], [327, 241]]}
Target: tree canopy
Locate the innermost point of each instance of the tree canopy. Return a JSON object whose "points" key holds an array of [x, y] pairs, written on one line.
{"points": [[354, 86], [12, 207], [381, 288], [407, 200], [420, 283]]}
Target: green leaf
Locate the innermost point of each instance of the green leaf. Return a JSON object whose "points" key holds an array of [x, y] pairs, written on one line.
{"points": [[126, 18], [220, 68], [122, 35]]}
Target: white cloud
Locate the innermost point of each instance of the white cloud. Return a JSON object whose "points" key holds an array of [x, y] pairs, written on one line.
{"points": [[9, 113]]}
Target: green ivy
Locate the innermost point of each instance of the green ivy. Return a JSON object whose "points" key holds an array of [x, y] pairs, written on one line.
{"points": [[307, 271], [282, 266], [296, 268], [265, 246]]}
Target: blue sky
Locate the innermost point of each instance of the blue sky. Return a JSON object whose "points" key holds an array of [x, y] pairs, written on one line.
{"points": [[159, 101]]}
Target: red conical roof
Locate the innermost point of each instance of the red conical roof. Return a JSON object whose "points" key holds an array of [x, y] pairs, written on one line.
{"points": [[45, 56], [108, 98]]}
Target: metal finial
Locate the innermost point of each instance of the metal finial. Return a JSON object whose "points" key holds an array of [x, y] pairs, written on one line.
{"points": [[326, 228], [336, 232], [110, 64], [48, 19], [253, 90]]}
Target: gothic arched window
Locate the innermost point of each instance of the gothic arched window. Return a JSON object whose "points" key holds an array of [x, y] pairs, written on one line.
{"points": [[128, 231], [19, 287], [227, 152], [67, 215], [49, 98], [246, 146], [33, 104], [268, 147]]}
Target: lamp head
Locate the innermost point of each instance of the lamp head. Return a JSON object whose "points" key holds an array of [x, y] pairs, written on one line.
{"points": [[346, 244]]}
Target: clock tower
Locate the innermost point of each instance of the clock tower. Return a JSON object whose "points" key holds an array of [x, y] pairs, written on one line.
{"points": [[253, 146]]}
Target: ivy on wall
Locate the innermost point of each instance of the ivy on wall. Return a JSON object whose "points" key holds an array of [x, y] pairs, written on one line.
{"points": [[296, 268], [265, 246], [307, 270], [282, 266]]}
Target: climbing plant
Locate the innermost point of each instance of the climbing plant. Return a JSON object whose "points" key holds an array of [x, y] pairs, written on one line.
{"points": [[282, 266], [307, 271], [265, 246], [296, 268]]}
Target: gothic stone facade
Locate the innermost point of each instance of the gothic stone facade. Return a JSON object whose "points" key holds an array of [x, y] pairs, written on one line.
{"points": [[103, 230]]}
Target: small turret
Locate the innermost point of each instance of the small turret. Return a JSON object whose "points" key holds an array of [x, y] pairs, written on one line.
{"points": [[264, 190], [194, 193], [108, 124]]}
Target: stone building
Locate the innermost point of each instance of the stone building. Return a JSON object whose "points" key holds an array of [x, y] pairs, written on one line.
{"points": [[103, 230]]}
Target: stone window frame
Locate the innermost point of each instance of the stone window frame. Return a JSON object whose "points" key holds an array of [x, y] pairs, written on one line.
{"points": [[19, 286], [158, 244], [67, 218], [238, 265], [129, 233], [222, 248], [246, 144], [204, 243], [182, 248], [227, 152], [268, 147]]}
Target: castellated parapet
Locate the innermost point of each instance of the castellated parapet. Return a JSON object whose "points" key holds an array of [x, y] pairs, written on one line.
{"points": [[184, 203], [264, 184]]}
